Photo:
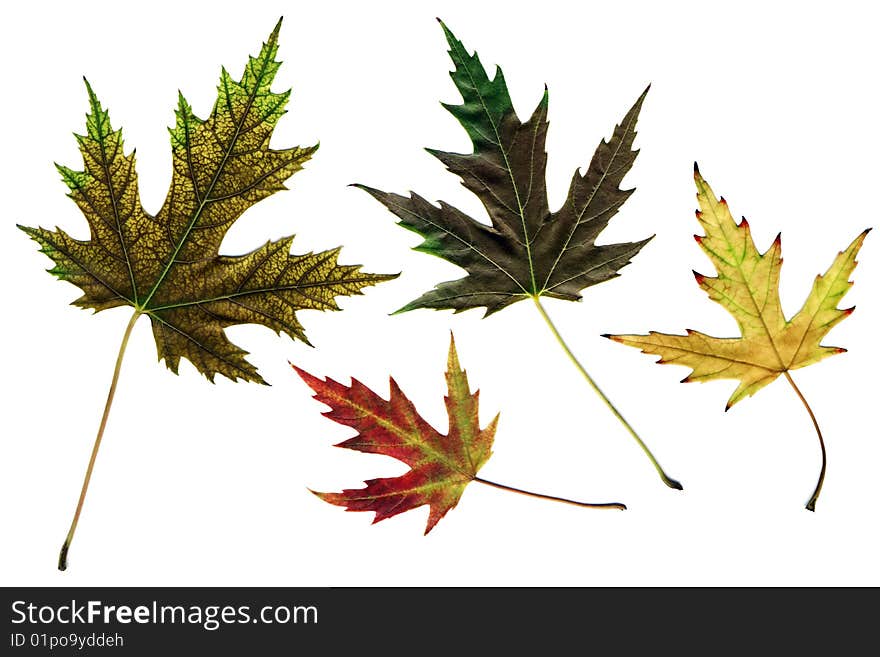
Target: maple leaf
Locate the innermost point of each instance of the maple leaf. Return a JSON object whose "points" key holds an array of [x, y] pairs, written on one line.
{"points": [[747, 286], [527, 251], [441, 466], [167, 266]]}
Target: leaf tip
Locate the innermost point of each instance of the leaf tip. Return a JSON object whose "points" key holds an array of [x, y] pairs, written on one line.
{"points": [[310, 379], [273, 37], [326, 497], [432, 521], [696, 168], [404, 309], [450, 37], [452, 363], [372, 191], [182, 104]]}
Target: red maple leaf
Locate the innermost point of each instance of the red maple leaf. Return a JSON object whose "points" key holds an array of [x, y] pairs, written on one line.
{"points": [[441, 466]]}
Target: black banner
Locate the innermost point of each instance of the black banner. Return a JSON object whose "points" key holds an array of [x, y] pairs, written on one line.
{"points": [[245, 621]]}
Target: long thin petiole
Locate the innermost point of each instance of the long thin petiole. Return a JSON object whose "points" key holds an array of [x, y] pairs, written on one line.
{"points": [[62, 557], [669, 481], [564, 500], [811, 505]]}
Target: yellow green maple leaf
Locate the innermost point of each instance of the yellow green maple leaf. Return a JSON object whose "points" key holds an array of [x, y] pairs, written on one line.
{"points": [[747, 286], [168, 266]]}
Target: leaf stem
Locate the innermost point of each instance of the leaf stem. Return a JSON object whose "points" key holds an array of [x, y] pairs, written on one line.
{"points": [[62, 557], [811, 505], [669, 481], [564, 500]]}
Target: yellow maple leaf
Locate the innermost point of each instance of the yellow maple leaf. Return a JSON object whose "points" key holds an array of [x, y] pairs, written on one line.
{"points": [[747, 286]]}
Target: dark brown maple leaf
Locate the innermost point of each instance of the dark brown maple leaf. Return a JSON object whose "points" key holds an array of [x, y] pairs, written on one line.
{"points": [[528, 251]]}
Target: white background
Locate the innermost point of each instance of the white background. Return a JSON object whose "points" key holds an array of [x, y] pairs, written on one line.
{"points": [[201, 484]]}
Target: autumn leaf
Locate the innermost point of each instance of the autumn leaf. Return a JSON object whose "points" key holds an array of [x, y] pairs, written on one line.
{"points": [[167, 266], [747, 286], [441, 466], [527, 252]]}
